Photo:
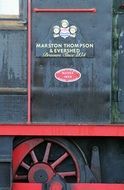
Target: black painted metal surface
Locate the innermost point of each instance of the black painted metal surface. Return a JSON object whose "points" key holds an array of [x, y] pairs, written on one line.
{"points": [[13, 76], [13, 108], [6, 163], [121, 65], [87, 99], [13, 59], [111, 152]]}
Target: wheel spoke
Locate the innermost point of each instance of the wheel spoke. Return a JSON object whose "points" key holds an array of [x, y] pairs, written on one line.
{"points": [[24, 165], [59, 160], [20, 177], [67, 174], [47, 152], [34, 158]]}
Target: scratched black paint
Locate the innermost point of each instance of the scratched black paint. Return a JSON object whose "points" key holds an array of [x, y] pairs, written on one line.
{"points": [[13, 75], [88, 99]]}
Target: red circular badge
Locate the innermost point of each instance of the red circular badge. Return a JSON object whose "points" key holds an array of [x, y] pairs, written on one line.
{"points": [[67, 75]]}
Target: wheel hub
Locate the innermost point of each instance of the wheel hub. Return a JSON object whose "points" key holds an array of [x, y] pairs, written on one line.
{"points": [[40, 173]]}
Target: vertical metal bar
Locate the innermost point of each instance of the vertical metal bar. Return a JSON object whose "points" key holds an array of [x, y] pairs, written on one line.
{"points": [[29, 62]]}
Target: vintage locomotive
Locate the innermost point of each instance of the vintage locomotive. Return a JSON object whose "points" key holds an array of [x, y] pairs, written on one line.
{"points": [[61, 64]]}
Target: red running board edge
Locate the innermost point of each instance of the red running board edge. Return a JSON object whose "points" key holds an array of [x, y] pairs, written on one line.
{"points": [[78, 186]]}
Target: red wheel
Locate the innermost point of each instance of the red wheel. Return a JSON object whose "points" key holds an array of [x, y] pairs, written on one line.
{"points": [[37, 160]]}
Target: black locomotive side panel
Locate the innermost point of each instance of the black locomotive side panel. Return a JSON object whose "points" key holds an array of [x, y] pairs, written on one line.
{"points": [[118, 63], [121, 65], [13, 59], [71, 62], [13, 76]]}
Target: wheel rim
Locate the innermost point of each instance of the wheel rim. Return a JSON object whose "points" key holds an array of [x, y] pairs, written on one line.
{"points": [[38, 160]]}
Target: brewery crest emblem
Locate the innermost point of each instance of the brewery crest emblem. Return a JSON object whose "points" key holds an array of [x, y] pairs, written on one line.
{"points": [[64, 30]]}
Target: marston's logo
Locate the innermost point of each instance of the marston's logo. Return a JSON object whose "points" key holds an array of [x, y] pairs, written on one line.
{"points": [[67, 75], [64, 30]]}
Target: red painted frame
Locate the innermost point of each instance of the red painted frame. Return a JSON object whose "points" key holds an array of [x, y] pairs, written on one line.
{"points": [[58, 130], [62, 130], [77, 186]]}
